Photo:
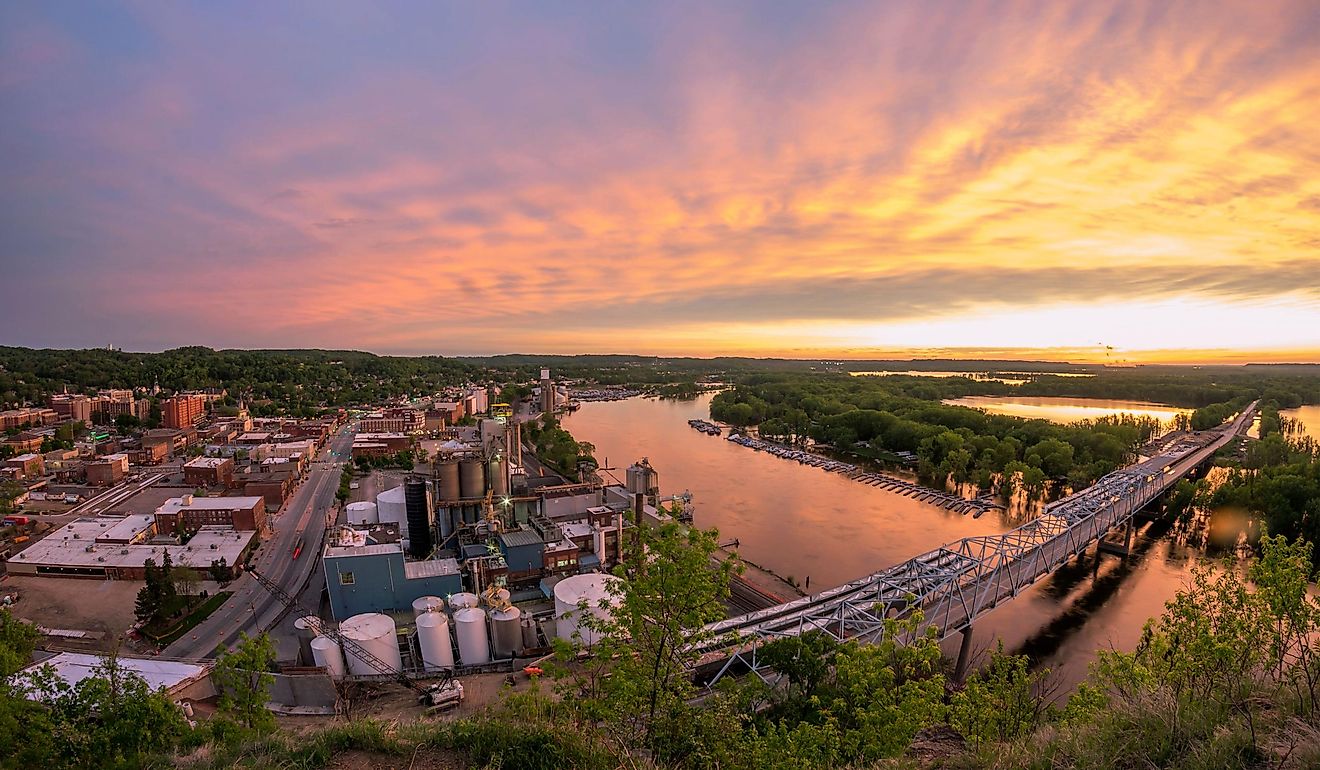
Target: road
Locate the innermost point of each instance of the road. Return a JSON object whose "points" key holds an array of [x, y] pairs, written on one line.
{"points": [[251, 608]]}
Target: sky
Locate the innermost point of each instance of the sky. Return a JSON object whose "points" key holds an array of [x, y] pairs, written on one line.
{"points": [[1087, 181]]}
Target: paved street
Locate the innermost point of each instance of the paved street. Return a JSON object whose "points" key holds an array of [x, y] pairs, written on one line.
{"points": [[252, 608]]}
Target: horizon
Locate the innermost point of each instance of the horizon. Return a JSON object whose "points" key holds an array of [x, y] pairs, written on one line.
{"points": [[896, 358], [1043, 181]]}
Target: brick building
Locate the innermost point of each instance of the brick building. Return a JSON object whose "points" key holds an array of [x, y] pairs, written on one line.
{"points": [[27, 465], [242, 513], [108, 470], [274, 488], [209, 471], [72, 407], [182, 411]]}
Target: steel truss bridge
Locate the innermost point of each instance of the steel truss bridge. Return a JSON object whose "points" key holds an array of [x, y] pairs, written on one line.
{"points": [[957, 583]]}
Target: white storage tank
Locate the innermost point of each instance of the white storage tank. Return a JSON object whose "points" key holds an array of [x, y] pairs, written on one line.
{"points": [[569, 593], [376, 634], [433, 639], [363, 512], [462, 601], [327, 655], [424, 604], [304, 629], [505, 633], [391, 509], [470, 627]]}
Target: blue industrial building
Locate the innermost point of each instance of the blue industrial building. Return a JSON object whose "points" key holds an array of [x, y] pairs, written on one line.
{"points": [[524, 551], [375, 578]]}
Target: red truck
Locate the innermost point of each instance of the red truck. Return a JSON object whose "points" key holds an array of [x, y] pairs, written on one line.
{"points": [[15, 521]]}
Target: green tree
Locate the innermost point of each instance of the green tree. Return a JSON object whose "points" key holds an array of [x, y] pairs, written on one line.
{"points": [[150, 598], [670, 587], [110, 719], [242, 676]]}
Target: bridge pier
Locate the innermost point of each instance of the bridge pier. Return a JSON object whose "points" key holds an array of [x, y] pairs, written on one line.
{"points": [[964, 656]]}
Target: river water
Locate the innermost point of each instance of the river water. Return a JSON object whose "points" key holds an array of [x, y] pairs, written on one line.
{"points": [[801, 521], [1064, 410]]}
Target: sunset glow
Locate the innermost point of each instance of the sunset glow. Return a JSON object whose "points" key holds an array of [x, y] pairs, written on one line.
{"points": [[1126, 183]]}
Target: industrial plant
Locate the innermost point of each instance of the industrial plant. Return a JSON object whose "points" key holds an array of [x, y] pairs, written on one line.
{"points": [[481, 559]]}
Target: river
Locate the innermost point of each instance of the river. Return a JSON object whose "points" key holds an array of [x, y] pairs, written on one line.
{"points": [[1065, 410], [801, 521]]}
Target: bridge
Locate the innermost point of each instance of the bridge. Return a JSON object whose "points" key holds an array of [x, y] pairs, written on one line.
{"points": [[957, 583]]}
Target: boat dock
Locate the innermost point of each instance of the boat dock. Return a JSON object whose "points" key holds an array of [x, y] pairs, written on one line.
{"points": [[976, 507], [709, 428]]}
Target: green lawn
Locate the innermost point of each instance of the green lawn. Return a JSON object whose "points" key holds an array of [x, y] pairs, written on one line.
{"points": [[169, 634]]}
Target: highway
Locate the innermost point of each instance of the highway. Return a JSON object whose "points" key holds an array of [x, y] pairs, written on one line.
{"points": [[251, 609]]}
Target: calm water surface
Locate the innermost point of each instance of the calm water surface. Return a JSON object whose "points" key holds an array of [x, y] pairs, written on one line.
{"points": [[1064, 410], [1310, 418], [802, 521]]}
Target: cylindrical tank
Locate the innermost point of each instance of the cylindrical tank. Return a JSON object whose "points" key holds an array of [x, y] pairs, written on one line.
{"points": [[392, 508], [591, 589], [502, 597], [462, 600], [375, 633], [362, 513], [418, 506], [472, 478], [433, 639], [529, 640], [450, 489], [304, 629], [470, 627], [499, 477], [327, 655], [505, 633], [423, 604]]}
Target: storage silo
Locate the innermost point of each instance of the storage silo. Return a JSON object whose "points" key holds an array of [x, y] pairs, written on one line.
{"points": [[304, 629], [363, 512], [470, 627], [462, 600], [447, 471], [642, 479], [327, 655], [499, 476], [417, 505], [505, 632], [591, 589], [529, 640], [433, 640], [376, 634], [392, 508], [424, 604], [472, 478]]}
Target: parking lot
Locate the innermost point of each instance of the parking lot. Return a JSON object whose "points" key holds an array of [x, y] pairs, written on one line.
{"points": [[102, 607]]}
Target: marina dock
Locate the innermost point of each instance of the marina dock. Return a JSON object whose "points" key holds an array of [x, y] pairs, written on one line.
{"points": [[976, 507]]}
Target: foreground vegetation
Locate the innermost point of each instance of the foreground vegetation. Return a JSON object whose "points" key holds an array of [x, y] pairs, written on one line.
{"points": [[1227, 677]]}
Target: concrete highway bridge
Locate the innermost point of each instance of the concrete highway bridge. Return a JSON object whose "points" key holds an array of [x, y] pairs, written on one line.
{"points": [[959, 582]]}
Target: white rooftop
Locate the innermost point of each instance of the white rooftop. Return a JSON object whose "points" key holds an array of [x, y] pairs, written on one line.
{"points": [[24, 458], [575, 529], [73, 667], [372, 549], [206, 462], [69, 546], [175, 504]]}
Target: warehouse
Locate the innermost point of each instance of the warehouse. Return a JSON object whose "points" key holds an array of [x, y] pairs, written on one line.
{"points": [[363, 576], [116, 548]]}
